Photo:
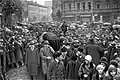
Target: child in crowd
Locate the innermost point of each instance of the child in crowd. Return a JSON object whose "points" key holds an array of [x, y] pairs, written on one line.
{"points": [[112, 73], [87, 69], [56, 70], [100, 74]]}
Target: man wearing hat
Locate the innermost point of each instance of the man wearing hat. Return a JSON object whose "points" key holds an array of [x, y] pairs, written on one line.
{"points": [[94, 50], [112, 51], [46, 53], [32, 60]]}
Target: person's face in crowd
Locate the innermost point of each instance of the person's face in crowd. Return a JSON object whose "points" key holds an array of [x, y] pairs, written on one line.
{"points": [[113, 73], [41, 39], [87, 62], [68, 47], [60, 58], [32, 46], [76, 49], [100, 71], [104, 42], [64, 53], [78, 53], [111, 37], [23, 40], [46, 45]]}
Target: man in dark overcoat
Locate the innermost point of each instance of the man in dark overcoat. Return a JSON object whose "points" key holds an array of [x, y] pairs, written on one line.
{"points": [[94, 50], [32, 61], [18, 53]]}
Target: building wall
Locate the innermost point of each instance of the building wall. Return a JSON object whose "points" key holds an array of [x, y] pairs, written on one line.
{"points": [[101, 10], [56, 6], [76, 13], [109, 10], [25, 10], [49, 5], [37, 13]]}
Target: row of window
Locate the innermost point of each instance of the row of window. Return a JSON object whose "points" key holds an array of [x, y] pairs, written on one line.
{"points": [[109, 5], [83, 6], [89, 5]]}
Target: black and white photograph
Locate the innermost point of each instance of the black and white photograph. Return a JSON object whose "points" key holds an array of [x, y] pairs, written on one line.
{"points": [[59, 39]]}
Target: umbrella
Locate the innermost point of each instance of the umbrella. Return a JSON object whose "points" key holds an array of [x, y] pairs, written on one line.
{"points": [[49, 36], [53, 40]]}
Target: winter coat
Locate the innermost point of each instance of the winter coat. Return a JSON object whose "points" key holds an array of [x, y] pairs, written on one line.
{"points": [[70, 53], [107, 77], [86, 70], [96, 77], [111, 51], [8, 59], [72, 70], [103, 46], [94, 50], [56, 71], [18, 52], [32, 61], [45, 52], [65, 61], [11, 54], [118, 72]]}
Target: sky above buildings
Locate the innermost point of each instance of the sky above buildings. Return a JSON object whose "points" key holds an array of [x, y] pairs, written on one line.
{"points": [[40, 1]]}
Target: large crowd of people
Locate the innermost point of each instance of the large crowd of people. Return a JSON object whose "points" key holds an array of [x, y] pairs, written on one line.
{"points": [[63, 51]]}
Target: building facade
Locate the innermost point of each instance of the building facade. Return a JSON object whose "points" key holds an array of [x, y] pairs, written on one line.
{"points": [[56, 10], [90, 10], [106, 10], [49, 5], [80, 10], [25, 10], [36, 12]]}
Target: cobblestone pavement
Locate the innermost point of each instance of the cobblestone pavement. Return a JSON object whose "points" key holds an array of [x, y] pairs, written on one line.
{"points": [[18, 74]]}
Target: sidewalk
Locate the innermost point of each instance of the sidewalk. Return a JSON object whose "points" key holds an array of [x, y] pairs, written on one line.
{"points": [[21, 74], [18, 74]]}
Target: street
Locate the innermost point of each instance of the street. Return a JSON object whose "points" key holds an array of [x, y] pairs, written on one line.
{"points": [[20, 74]]}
